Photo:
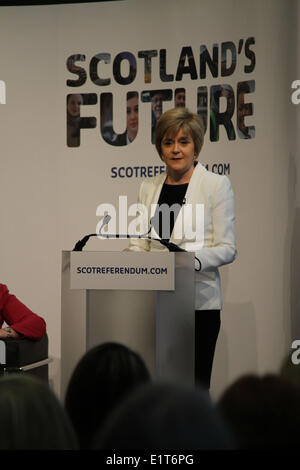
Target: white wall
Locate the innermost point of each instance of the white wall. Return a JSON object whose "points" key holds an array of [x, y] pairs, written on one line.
{"points": [[49, 192], [294, 176]]}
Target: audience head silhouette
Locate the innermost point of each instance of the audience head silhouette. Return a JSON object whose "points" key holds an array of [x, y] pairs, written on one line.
{"points": [[262, 412], [100, 380], [32, 417], [163, 416]]}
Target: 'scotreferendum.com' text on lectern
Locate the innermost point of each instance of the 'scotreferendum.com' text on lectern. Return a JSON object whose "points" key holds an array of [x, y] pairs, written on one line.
{"points": [[144, 300]]}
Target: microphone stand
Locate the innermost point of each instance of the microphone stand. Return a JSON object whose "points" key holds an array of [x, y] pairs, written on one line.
{"points": [[172, 247]]}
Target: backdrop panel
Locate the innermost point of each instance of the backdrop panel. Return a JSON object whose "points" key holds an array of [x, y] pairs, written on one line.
{"points": [[73, 73]]}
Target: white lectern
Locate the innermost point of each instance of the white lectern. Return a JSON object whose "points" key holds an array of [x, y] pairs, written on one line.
{"points": [[144, 300]]}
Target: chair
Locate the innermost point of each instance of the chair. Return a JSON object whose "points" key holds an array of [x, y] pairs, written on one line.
{"points": [[26, 356]]}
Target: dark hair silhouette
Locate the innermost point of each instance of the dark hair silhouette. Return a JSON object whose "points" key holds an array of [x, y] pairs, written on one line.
{"points": [[262, 412], [101, 379], [32, 418], [164, 416]]}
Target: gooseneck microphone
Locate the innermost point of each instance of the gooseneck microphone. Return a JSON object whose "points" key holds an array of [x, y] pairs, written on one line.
{"points": [[81, 243], [171, 246]]}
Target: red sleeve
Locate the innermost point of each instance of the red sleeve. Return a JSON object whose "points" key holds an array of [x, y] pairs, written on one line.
{"points": [[19, 317]]}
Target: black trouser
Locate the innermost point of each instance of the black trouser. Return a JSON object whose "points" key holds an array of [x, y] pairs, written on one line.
{"points": [[207, 327]]}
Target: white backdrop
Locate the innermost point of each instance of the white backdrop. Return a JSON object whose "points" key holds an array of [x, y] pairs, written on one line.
{"points": [[49, 192]]}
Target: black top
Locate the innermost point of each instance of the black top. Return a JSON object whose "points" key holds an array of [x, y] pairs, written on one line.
{"points": [[164, 218]]}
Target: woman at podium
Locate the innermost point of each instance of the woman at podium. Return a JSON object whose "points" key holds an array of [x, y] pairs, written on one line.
{"points": [[21, 321], [187, 184]]}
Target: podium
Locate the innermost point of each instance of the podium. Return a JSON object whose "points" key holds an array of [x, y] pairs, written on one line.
{"points": [[144, 300]]}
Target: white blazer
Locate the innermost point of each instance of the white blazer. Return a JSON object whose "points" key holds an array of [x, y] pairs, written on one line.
{"points": [[217, 246]]}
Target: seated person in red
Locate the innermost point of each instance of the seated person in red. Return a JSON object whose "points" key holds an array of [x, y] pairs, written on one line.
{"points": [[21, 321]]}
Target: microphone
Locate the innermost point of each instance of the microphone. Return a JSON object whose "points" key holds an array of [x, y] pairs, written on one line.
{"points": [[171, 246], [81, 243]]}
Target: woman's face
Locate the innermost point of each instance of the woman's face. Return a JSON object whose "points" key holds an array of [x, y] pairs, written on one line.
{"points": [[132, 117], [180, 99], [74, 103], [244, 109], [157, 101], [178, 153]]}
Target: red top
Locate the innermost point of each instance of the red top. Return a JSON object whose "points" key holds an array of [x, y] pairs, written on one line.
{"points": [[19, 317]]}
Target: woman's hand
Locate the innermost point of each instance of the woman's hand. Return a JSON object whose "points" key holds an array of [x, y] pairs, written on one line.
{"points": [[8, 333]]}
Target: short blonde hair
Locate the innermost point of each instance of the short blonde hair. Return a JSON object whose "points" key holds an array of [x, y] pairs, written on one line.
{"points": [[175, 119]]}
